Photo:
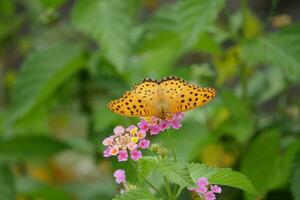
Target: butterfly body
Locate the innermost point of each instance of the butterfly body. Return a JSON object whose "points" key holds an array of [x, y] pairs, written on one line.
{"points": [[161, 98]]}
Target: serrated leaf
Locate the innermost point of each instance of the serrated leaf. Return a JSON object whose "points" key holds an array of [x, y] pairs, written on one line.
{"points": [[221, 176], [176, 172], [41, 73], [280, 49], [7, 185], [147, 165], [295, 183], [141, 194], [108, 22], [30, 147], [262, 159]]}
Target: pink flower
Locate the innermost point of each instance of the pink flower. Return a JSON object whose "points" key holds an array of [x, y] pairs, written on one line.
{"points": [[119, 130], [179, 116], [132, 146], [122, 141], [156, 125], [154, 130], [114, 150], [108, 141], [135, 154], [175, 124], [209, 196], [202, 181], [106, 152], [120, 176], [123, 155], [201, 189], [215, 189], [143, 125], [141, 134], [144, 144], [130, 127], [163, 125]]}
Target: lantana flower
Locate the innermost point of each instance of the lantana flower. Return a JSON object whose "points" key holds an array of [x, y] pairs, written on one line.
{"points": [[125, 141], [120, 176], [204, 191], [156, 125]]}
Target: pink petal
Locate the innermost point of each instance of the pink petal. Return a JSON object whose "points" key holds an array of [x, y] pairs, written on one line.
{"points": [[123, 155], [120, 176], [119, 130], [154, 130], [215, 189], [135, 154], [209, 196], [144, 144], [202, 181]]}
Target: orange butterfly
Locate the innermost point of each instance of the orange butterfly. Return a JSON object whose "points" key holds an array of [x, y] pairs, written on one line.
{"points": [[161, 98]]}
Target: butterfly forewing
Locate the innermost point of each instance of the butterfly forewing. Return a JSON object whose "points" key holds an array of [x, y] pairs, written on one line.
{"points": [[182, 96], [140, 101]]}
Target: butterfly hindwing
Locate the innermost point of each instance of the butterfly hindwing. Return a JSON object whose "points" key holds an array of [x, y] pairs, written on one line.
{"points": [[139, 101], [182, 96]]}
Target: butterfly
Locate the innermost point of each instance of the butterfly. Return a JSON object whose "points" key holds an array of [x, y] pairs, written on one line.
{"points": [[161, 98]]}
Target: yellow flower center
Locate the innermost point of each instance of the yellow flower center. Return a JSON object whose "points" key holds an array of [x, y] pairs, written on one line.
{"points": [[134, 139], [133, 131]]}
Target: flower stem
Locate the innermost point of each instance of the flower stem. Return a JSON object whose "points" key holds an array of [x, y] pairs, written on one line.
{"points": [[172, 146], [134, 165]]}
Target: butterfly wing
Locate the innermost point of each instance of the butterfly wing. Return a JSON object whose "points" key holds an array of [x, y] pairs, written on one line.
{"points": [[139, 102], [181, 96]]}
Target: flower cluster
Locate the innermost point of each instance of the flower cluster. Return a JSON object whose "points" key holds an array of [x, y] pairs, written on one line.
{"points": [[203, 189], [124, 140], [156, 125], [120, 176], [130, 139]]}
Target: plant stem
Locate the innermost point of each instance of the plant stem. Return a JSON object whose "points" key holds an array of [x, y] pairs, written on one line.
{"points": [[172, 146], [178, 192], [168, 188], [144, 178]]}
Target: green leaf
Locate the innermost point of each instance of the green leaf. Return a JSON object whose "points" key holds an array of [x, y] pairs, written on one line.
{"points": [[41, 73], [221, 176], [190, 19], [109, 23], [240, 124], [7, 185], [147, 165], [157, 55], [280, 49], [273, 81], [139, 193], [260, 161], [30, 147], [284, 165], [197, 133], [296, 178], [195, 17], [176, 172]]}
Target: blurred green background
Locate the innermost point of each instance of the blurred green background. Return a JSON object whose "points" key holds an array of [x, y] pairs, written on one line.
{"points": [[61, 61]]}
